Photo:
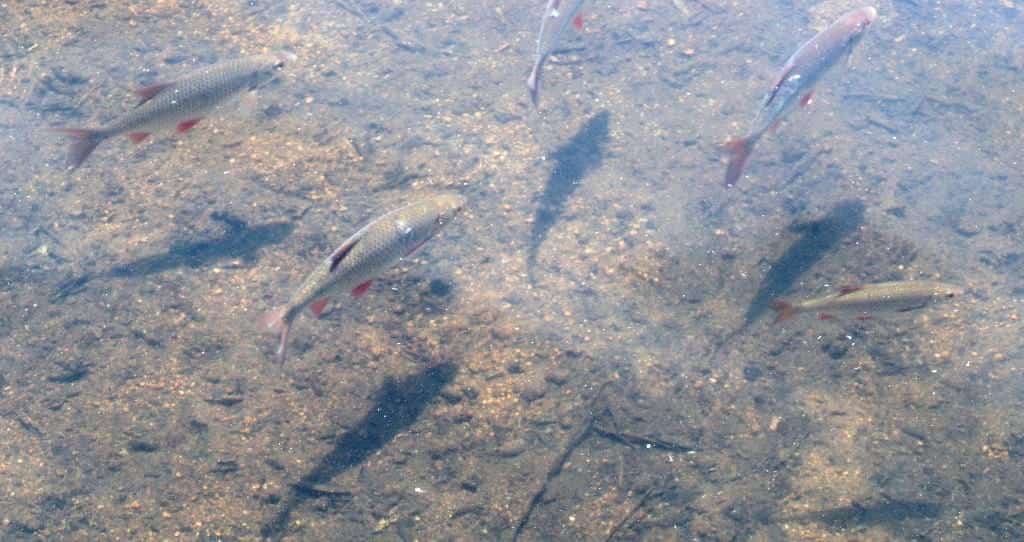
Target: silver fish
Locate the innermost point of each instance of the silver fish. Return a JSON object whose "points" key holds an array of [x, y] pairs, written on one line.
{"points": [[180, 103], [866, 300], [351, 268], [795, 83], [557, 17]]}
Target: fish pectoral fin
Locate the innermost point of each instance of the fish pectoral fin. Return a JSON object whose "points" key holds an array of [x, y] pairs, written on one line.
{"points": [[317, 307], [577, 22], [187, 125], [360, 290], [342, 251], [147, 93], [806, 100]]}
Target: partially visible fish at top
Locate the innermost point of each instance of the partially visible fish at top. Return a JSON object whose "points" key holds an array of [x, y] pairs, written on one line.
{"points": [[869, 299], [181, 103], [795, 83], [351, 268], [557, 16]]}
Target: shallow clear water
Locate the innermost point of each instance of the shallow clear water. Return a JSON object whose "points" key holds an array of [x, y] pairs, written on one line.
{"points": [[588, 352]]}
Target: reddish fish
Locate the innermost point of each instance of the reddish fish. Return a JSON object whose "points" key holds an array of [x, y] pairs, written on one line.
{"points": [[180, 103], [557, 16], [795, 84], [362, 257]]}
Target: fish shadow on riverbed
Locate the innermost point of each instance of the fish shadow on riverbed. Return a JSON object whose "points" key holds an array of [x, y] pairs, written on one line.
{"points": [[398, 405], [817, 239], [886, 513], [240, 240], [572, 162]]}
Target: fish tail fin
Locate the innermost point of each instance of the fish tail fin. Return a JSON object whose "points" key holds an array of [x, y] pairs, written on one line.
{"points": [[533, 84], [740, 149], [276, 322], [783, 310], [84, 141]]}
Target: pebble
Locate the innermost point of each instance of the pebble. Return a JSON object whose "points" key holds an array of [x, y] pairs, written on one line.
{"points": [[512, 448], [557, 376], [532, 391]]}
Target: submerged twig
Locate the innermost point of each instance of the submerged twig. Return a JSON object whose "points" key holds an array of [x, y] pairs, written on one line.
{"points": [[399, 41], [578, 437], [651, 492]]}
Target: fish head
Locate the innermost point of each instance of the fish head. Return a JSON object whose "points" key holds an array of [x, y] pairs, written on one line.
{"points": [[857, 21], [448, 206], [948, 291], [266, 68]]}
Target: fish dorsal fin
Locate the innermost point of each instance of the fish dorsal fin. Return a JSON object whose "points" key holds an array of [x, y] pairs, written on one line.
{"points": [[849, 289], [146, 94], [342, 251], [786, 72]]}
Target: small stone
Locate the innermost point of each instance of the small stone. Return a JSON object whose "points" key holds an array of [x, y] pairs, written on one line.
{"points": [[533, 391], [557, 376], [512, 448]]}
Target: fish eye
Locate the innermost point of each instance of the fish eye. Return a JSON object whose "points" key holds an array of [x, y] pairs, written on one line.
{"points": [[279, 65], [950, 295]]}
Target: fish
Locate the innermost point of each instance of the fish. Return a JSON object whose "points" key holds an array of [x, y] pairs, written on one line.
{"points": [[557, 16], [866, 300], [351, 268], [181, 103], [795, 82]]}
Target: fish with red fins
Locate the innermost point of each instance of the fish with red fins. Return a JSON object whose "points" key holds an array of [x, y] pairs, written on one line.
{"points": [[558, 15], [179, 104], [795, 83], [351, 268]]}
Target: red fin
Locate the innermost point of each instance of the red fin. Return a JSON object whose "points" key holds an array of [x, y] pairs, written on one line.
{"points": [[360, 291], [577, 21], [774, 128], [784, 310], [146, 94], [806, 100], [138, 137], [187, 125], [824, 316], [740, 149], [317, 307], [865, 317], [849, 289]]}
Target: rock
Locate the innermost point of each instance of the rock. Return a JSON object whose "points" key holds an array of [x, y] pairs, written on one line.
{"points": [[533, 391], [512, 448], [557, 376]]}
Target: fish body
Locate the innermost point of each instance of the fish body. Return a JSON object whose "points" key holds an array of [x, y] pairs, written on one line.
{"points": [[179, 104], [795, 82], [869, 299], [558, 15], [369, 252]]}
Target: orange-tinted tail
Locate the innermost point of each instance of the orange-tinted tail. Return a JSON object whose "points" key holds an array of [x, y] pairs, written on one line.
{"points": [[740, 149], [84, 141], [783, 310], [276, 322]]}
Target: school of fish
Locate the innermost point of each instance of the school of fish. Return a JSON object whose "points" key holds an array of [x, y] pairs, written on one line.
{"points": [[347, 273]]}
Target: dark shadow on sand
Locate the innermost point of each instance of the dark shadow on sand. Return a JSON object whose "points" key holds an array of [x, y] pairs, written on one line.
{"points": [[240, 240], [889, 512], [399, 403], [817, 238], [572, 162]]}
